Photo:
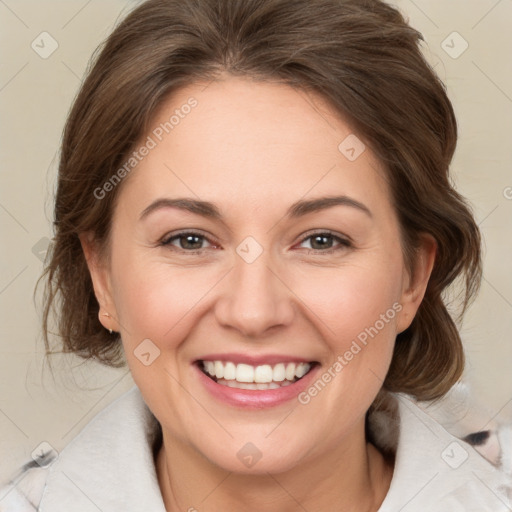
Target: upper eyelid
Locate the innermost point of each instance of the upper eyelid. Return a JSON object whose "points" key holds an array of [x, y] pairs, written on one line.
{"points": [[191, 231]]}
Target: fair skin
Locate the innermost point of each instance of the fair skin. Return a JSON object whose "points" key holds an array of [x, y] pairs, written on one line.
{"points": [[254, 149]]}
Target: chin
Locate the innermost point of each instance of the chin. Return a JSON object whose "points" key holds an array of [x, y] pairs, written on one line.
{"points": [[248, 459]]}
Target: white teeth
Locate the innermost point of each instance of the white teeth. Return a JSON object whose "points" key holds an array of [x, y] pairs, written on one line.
{"points": [[278, 373], [244, 373], [252, 385], [210, 367], [219, 370], [263, 376], [300, 371], [229, 371], [290, 371]]}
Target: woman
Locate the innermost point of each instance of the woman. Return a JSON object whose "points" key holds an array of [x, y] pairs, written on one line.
{"points": [[254, 212]]}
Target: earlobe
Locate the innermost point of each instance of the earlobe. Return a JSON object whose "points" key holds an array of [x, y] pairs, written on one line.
{"points": [[102, 322], [416, 284], [100, 277]]}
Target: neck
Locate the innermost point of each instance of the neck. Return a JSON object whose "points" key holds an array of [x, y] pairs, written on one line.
{"points": [[353, 477]]}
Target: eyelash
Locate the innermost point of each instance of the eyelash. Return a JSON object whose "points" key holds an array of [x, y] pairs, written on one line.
{"points": [[344, 243]]}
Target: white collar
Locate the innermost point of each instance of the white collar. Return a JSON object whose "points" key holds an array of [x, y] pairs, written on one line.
{"points": [[435, 471], [110, 465]]}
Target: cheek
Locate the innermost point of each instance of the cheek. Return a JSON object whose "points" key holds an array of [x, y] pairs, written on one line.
{"points": [[358, 306], [156, 301], [350, 299], [163, 302], [160, 304]]}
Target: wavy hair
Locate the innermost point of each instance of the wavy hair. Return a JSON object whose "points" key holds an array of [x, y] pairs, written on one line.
{"points": [[359, 55]]}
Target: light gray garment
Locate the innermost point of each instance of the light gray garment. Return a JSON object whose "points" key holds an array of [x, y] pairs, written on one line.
{"points": [[109, 466]]}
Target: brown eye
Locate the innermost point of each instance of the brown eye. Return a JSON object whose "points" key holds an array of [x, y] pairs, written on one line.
{"points": [[186, 241], [323, 242]]}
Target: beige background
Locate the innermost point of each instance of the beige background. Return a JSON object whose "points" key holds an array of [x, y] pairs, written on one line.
{"points": [[35, 95]]}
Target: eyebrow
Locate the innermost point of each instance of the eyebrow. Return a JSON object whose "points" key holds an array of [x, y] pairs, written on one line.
{"points": [[296, 210]]}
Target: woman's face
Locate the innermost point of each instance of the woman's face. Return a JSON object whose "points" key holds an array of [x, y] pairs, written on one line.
{"points": [[265, 276]]}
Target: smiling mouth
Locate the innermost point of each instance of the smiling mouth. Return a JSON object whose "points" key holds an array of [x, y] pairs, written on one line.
{"points": [[261, 377]]}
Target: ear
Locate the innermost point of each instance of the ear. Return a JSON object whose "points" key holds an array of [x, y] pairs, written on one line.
{"points": [[100, 276], [415, 285]]}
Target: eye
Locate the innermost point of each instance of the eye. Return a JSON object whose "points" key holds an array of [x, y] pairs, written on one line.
{"points": [[192, 242], [187, 241], [322, 242]]}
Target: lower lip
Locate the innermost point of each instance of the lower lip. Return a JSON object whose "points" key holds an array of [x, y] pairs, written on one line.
{"points": [[256, 398]]}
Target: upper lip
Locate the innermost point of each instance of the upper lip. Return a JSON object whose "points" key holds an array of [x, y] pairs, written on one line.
{"points": [[255, 360]]}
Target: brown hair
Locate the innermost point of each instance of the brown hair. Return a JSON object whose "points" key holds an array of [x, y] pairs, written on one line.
{"points": [[359, 55]]}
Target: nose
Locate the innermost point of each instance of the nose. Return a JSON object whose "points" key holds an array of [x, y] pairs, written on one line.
{"points": [[255, 298]]}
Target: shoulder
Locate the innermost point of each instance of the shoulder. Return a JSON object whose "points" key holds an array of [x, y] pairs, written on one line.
{"points": [[93, 463], [434, 468]]}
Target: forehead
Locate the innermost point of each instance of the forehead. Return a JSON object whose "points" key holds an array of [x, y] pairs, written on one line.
{"points": [[238, 141]]}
